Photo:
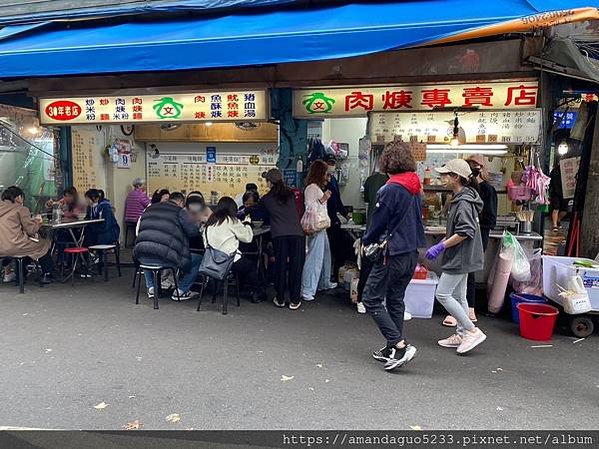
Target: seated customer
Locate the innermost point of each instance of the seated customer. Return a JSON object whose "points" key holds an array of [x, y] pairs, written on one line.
{"points": [[251, 207], [224, 231], [249, 187], [164, 233], [200, 213], [19, 232], [160, 196], [106, 232], [70, 203]]}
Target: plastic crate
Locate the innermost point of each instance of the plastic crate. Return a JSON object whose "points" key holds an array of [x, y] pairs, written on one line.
{"points": [[420, 296], [558, 269]]}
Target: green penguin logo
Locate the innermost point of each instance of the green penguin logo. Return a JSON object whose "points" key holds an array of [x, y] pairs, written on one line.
{"points": [[318, 103], [167, 107]]}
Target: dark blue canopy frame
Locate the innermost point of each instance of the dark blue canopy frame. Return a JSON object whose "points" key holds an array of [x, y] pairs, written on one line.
{"points": [[256, 37]]}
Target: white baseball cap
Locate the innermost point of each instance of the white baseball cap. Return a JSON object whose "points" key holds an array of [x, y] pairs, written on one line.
{"points": [[457, 166]]}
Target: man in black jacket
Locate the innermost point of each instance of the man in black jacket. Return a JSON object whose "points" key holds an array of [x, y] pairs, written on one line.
{"points": [[163, 240]]}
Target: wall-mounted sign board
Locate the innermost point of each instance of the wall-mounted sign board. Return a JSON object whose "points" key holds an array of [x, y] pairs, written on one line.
{"points": [[231, 106], [507, 127], [330, 102]]}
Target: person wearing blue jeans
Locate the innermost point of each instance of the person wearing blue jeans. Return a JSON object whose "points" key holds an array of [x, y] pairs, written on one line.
{"points": [[186, 281], [316, 275]]}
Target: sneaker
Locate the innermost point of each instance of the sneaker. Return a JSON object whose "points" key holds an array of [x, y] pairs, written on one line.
{"points": [[278, 304], [407, 316], [452, 341], [308, 298], [399, 357], [296, 306], [10, 277], [471, 341], [183, 296], [332, 286], [46, 279], [382, 355], [151, 293], [361, 308]]}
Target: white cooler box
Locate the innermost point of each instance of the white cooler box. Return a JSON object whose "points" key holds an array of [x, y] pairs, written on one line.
{"points": [[420, 296], [558, 269]]}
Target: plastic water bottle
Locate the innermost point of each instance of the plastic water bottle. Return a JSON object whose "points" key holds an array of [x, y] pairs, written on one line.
{"points": [[56, 213]]}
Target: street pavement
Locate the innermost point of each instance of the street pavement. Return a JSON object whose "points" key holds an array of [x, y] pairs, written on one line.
{"points": [[89, 358]]}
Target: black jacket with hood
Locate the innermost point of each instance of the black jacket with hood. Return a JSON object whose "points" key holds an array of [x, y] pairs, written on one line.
{"points": [[468, 256]]}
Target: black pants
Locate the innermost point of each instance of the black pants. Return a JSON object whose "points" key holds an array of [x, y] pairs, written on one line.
{"points": [[247, 271], [341, 247], [389, 281], [45, 262], [290, 252], [364, 273], [471, 288]]}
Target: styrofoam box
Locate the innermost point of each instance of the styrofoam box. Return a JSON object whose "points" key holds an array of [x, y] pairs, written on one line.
{"points": [[558, 269], [420, 296]]}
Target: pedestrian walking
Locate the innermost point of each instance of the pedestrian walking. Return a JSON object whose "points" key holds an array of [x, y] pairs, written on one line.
{"points": [[394, 235], [462, 250]]}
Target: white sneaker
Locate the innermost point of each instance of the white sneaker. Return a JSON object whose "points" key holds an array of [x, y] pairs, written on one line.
{"points": [[407, 316], [183, 296], [361, 308], [151, 293], [308, 298], [277, 303], [453, 341], [10, 277], [332, 286], [471, 340]]}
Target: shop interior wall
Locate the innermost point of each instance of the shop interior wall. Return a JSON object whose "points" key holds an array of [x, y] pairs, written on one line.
{"points": [[348, 130], [116, 182]]}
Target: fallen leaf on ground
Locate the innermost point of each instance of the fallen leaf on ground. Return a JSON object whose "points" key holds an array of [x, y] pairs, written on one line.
{"points": [[285, 378], [415, 427], [499, 409], [25, 314], [138, 358], [326, 381], [101, 406], [499, 369], [319, 365], [173, 417], [494, 372], [135, 425], [312, 389], [48, 349], [131, 396]]}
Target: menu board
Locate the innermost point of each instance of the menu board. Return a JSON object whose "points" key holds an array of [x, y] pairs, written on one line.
{"points": [[227, 176], [569, 170], [504, 127], [87, 159]]}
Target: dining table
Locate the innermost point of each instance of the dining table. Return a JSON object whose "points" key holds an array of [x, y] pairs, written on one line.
{"points": [[70, 224]]}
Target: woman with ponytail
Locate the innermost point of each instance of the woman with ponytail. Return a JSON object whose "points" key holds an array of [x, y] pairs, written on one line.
{"points": [[462, 253]]}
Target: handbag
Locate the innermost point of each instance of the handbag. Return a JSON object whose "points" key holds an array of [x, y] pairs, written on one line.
{"points": [[315, 219], [375, 250], [216, 264]]}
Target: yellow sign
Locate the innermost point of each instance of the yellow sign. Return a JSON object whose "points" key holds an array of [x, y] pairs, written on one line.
{"points": [[226, 106], [358, 101]]}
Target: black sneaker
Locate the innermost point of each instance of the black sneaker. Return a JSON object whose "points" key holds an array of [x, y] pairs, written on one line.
{"points": [[399, 357], [382, 355]]}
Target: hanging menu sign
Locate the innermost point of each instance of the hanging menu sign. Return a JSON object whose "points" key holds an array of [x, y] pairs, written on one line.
{"points": [[358, 101], [248, 105], [507, 127]]}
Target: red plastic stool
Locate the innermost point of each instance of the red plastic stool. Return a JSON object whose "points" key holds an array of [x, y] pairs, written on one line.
{"points": [[77, 253]]}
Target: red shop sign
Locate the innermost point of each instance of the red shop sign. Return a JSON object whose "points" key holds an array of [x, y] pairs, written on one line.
{"points": [[63, 110]]}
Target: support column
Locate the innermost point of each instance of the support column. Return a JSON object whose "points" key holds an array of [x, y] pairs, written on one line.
{"points": [[589, 240], [293, 133]]}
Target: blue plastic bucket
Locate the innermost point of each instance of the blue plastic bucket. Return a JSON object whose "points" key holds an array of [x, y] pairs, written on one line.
{"points": [[517, 298]]}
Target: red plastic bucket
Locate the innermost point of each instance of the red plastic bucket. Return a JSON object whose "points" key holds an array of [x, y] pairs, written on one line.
{"points": [[537, 321]]}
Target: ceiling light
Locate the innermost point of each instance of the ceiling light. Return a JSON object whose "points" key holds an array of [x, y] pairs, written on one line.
{"points": [[563, 148]]}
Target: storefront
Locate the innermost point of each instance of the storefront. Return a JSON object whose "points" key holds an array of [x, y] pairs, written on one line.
{"points": [[499, 119], [209, 141]]}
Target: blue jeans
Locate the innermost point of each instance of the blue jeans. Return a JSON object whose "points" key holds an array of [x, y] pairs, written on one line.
{"points": [[317, 267], [187, 280]]}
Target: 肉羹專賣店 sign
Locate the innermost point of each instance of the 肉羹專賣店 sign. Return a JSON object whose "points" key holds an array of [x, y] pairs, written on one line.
{"points": [[358, 101], [246, 105]]}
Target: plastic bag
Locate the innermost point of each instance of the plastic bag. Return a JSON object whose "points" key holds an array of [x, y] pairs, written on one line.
{"points": [[534, 285], [520, 265], [575, 299]]}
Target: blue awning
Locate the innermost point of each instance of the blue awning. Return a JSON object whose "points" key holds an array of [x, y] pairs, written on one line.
{"points": [[264, 37]]}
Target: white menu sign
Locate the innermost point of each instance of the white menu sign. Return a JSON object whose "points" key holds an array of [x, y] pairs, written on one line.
{"points": [[508, 127]]}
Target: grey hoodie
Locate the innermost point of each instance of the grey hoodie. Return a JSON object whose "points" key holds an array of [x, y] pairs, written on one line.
{"points": [[468, 256]]}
